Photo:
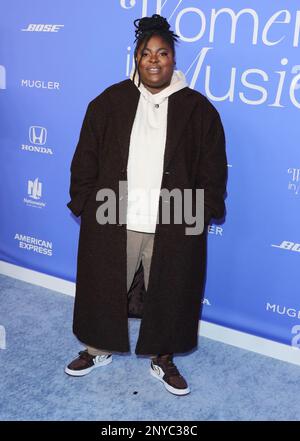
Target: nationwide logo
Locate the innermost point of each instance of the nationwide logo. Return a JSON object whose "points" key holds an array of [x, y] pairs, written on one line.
{"points": [[40, 84], [289, 246], [43, 28], [2, 77], [38, 137], [206, 302], [34, 244], [283, 310], [294, 182], [34, 191]]}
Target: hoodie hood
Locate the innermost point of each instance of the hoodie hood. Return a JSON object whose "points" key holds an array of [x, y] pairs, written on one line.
{"points": [[178, 82], [146, 153]]}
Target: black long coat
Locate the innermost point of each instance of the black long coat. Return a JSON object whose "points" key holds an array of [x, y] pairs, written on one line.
{"points": [[194, 158]]}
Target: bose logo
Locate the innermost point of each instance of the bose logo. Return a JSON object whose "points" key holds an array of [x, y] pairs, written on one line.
{"points": [[291, 246], [42, 28]]}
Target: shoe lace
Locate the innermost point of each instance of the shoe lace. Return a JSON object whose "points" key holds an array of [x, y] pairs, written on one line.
{"points": [[169, 367], [85, 355], [101, 357]]}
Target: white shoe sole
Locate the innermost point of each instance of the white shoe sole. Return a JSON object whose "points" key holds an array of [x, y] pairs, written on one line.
{"points": [[168, 387], [88, 370]]}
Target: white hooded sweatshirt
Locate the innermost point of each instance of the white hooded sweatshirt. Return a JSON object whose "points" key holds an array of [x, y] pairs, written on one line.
{"points": [[146, 154]]}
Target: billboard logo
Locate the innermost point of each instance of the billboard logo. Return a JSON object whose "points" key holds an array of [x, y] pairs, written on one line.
{"points": [[35, 189], [34, 244], [39, 84], [294, 183], [2, 77], [43, 28], [37, 135], [290, 246], [283, 310]]}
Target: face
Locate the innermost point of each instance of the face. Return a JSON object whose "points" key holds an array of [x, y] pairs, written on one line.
{"points": [[156, 64]]}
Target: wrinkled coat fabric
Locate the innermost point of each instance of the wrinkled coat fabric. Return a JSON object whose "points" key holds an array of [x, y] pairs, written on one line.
{"points": [[194, 158]]}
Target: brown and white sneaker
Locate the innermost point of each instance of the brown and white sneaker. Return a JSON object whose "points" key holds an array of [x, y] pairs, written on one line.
{"points": [[163, 369], [86, 362]]}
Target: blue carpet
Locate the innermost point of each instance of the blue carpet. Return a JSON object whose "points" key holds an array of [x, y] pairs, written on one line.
{"points": [[226, 383]]}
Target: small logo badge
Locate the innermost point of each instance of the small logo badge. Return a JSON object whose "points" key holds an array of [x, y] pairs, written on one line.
{"points": [[35, 189], [37, 135]]}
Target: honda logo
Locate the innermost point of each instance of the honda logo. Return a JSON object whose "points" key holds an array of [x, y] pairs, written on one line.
{"points": [[37, 135]]}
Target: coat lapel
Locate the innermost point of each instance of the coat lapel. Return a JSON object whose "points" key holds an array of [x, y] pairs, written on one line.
{"points": [[126, 110], [180, 108]]}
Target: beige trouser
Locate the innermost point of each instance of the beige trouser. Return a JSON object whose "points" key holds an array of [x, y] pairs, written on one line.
{"points": [[139, 247]]}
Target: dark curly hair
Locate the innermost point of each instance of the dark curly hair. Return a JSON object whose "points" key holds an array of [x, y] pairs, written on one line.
{"points": [[146, 27]]}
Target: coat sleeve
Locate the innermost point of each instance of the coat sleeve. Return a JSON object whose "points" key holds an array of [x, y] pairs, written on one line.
{"points": [[212, 170], [84, 165]]}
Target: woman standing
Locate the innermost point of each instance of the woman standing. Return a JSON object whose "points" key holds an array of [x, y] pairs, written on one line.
{"points": [[153, 133]]}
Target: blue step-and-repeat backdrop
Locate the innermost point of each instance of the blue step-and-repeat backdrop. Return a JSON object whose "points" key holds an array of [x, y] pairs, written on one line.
{"points": [[55, 56]]}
